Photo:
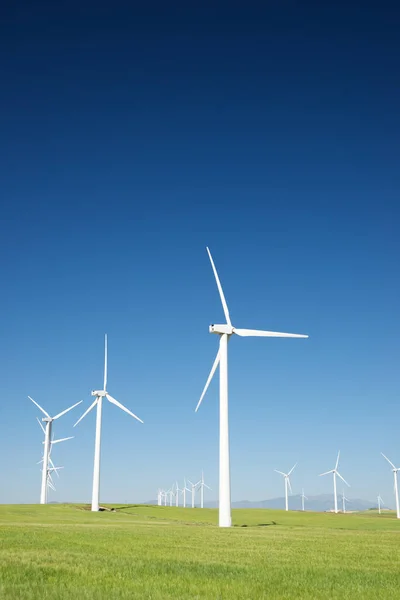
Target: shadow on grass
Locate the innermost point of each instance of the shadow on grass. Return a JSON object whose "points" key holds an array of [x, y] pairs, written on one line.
{"points": [[258, 524]]}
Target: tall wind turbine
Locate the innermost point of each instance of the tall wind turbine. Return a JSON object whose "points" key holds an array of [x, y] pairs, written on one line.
{"points": [[201, 485], [287, 484], [193, 487], [184, 490], [98, 402], [380, 503], [225, 331], [177, 491], [396, 490], [303, 497], [344, 500], [47, 443], [335, 472]]}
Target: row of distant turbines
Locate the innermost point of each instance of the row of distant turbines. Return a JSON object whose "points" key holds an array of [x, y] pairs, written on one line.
{"points": [[171, 496], [225, 331]]}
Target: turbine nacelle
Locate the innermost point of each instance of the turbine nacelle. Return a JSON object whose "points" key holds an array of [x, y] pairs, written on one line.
{"points": [[47, 419], [221, 329], [99, 393]]}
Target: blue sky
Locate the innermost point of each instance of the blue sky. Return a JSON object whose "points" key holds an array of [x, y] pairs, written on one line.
{"points": [[130, 141]]}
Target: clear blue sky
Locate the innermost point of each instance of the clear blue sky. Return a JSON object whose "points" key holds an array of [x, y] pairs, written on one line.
{"points": [[131, 139]]}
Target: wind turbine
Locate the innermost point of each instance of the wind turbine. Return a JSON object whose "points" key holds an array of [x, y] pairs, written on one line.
{"points": [[201, 485], [344, 500], [193, 487], [396, 490], [177, 490], [303, 497], [98, 402], [380, 503], [335, 472], [225, 331], [287, 484], [47, 437], [184, 490]]}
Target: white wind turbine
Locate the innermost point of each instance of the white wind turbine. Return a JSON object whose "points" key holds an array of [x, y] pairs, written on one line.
{"points": [[201, 485], [335, 472], [193, 487], [225, 331], [396, 490], [303, 497], [287, 484], [99, 395], [344, 500], [47, 442], [177, 491], [380, 503], [184, 490]]}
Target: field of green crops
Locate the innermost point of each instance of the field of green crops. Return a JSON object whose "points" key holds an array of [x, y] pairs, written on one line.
{"points": [[159, 553]]}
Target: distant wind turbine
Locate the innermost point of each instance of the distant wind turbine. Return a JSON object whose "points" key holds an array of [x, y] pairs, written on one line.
{"points": [[193, 487], [225, 331], [201, 485], [303, 497], [335, 472], [47, 440], [396, 490], [184, 490], [380, 503], [287, 484], [344, 500], [99, 395]]}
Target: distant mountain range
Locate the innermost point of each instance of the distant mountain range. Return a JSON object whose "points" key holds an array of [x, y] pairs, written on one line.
{"points": [[320, 503]]}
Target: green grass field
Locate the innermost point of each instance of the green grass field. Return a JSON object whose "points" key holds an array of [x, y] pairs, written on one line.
{"points": [[65, 551]]}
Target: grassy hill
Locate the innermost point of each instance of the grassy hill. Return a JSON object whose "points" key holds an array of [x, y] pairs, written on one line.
{"points": [[65, 551]]}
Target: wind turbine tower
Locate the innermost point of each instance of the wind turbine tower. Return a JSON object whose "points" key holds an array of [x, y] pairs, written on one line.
{"points": [[396, 489], [335, 472], [48, 420], [303, 497], [287, 484], [344, 500], [225, 332], [98, 402]]}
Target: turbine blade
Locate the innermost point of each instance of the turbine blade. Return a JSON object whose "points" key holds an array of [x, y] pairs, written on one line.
{"points": [[221, 293], [67, 410], [42, 409], [52, 465], [342, 478], [105, 362], [86, 412], [326, 473], [305, 497], [290, 487], [122, 407], [292, 469], [62, 440], [260, 333], [207, 486], [337, 461], [211, 375], [43, 429], [389, 461], [280, 472]]}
